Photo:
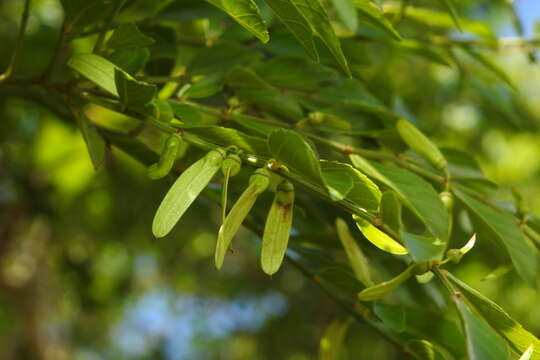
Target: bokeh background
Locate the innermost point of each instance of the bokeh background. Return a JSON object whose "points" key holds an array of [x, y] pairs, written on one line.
{"points": [[81, 276]]}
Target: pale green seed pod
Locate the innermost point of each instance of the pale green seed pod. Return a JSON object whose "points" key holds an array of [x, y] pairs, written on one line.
{"points": [[185, 190], [277, 228], [258, 183], [167, 158], [358, 260], [420, 143], [447, 199], [231, 165]]}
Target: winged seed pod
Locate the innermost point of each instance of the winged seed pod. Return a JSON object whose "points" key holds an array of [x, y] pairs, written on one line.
{"points": [[420, 143], [358, 260], [258, 183], [185, 190], [166, 159], [277, 228], [231, 167]]}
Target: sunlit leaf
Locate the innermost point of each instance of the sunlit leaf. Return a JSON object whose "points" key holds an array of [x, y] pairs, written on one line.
{"points": [[379, 238]]}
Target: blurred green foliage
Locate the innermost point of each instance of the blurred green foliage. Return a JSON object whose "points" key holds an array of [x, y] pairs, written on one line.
{"points": [[81, 276]]}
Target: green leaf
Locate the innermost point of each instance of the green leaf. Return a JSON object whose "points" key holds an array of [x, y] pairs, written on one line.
{"points": [[499, 319], [347, 13], [521, 250], [227, 55], [451, 8], [527, 355], [358, 260], [184, 191], [392, 315], [423, 248], [243, 77], [379, 238], [223, 136], [258, 183], [374, 15], [427, 51], [296, 23], [346, 182], [417, 194], [491, 66], [96, 69], [80, 13], [296, 73], [93, 139], [316, 16], [188, 114], [274, 101], [390, 211], [277, 228], [437, 19], [247, 14], [254, 124], [482, 341], [382, 289], [424, 350], [132, 93], [127, 36], [206, 86], [132, 60], [332, 339], [292, 149]]}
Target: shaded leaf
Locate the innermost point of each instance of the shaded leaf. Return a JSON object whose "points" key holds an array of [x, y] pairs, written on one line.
{"points": [[93, 139], [347, 13], [128, 35], [223, 136], [521, 250], [392, 315], [316, 16], [132, 93], [332, 339], [274, 101], [498, 318], [372, 14], [247, 14], [425, 350], [417, 194], [390, 210], [357, 259], [423, 248], [451, 8], [296, 23], [491, 66]]}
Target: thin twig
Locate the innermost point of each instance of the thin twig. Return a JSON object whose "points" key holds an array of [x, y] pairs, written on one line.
{"points": [[18, 45]]}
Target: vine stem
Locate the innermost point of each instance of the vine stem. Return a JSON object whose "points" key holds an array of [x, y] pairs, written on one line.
{"points": [[18, 46]]}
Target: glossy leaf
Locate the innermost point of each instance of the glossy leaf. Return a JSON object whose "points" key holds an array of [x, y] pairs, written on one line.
{"points": [[499, 319], [247, 14], [277, 228], [357, 259], [96, 69], [332, 339], [258, 183], [417, 194], [423, 248], [128, 35], [184, 191], [379, 238], [382, 289], [360, 189], [296, 23], [527, 355], [292, 149], [521, 250], [316, 16]]}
